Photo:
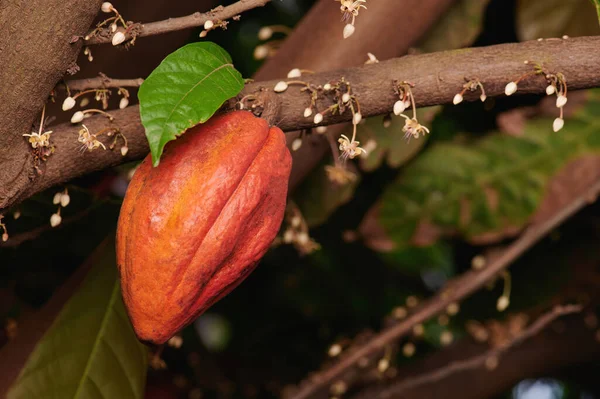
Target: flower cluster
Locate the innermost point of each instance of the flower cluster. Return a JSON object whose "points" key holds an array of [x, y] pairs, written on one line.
{"points": [[269, 47], [113, 24], [557, 85], [412, 128], [296, 232], [471, 85]]}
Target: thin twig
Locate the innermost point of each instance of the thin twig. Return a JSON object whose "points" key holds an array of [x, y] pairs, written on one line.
{"points": [[101, 82], [190, 21], [455, 291], [477, 361]]}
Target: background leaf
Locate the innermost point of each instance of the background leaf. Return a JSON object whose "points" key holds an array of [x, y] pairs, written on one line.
{"points": [[488, 188], [555, 18], [91, 350], [597, 4], [187, 88], [459, 27]]}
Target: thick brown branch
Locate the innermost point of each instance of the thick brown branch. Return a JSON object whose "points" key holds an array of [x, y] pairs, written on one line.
{"points": [[437, 78], [455, 291], [102, 82], [190, 21]]}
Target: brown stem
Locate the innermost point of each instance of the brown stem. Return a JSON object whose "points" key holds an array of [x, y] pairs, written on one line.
{"points": [[190, 21], [437, 78], [456, 290], [101, 82]]}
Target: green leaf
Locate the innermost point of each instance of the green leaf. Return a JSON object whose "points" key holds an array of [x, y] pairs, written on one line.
{"points": [[90, 351], [487, 189], [555, 18], [187, 88], [459, 27]]}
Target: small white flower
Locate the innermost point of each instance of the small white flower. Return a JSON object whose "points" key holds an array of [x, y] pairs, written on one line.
{"points": [[118, 38], [65, 199], [113, 27], [106, 7], [558, 124], [124, 150], [280, 87], [56, 199], [345, 97], [327, 86], [208, 24], [123, 103], [318, 118], [307, 112], [296, 144], [458, 98], [482, 98], [561, 100], [348, 30], [294, 73], [203, 33], [399, 107], [77, 117], [265, 33], [550, 90], [510, 88], [356, 118], [55, 220], [68, 103]]}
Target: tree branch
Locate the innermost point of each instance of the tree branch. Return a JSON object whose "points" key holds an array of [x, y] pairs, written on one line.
{"points": [[190, 21], [101, 82], [535, 328], [456, 290], [437, 78]]}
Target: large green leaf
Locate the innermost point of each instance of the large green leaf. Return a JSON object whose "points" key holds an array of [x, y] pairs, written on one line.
{"points": [[457, 28], [488, 188], [91, 350], [555, 18], [187, 88]]}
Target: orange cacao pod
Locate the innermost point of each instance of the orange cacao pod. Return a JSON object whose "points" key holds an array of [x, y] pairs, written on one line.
{"points": [[191, 229]]}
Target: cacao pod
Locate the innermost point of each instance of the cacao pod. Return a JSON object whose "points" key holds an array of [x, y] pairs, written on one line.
{"points": [[191, 229]]}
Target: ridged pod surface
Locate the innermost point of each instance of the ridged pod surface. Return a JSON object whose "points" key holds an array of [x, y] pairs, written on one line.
{"points": [[193, 228]]}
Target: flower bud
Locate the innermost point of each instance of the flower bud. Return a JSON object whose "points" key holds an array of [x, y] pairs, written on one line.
{"points": [[280, 87], [208, 24], [399, 107], [483, 97], [458, 98], [5, 237], [56, 199], [558, 124], [124, 150], [261, 52], [84, 102], [118, 38], [318, 118], [106, 7], [55, 220], [123, 103], [510, 88], [65, 200], [321, 129], [502, 303], [77, 117], [294, 73], [307, 112], [113, 27], [356, 118], [203, 33], [265, 33], [348, 30], [296, 144], [68, 103], [550, 90], [327, 86], [345, 97], [561, 100]]}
